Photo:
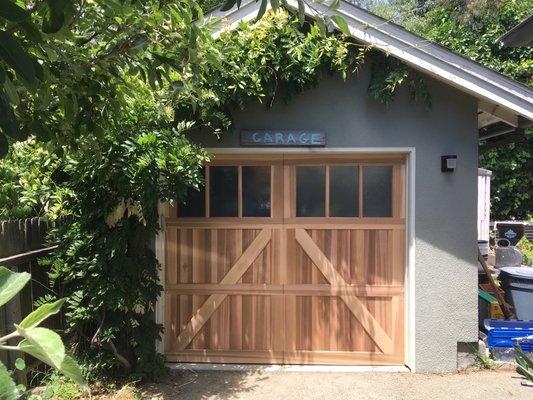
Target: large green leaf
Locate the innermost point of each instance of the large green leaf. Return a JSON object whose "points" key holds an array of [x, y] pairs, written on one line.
{"points": [[54, 18], [11, 283], [341, 24], [8, 389], [47, 346], [12, 12], [16, 57], [36, 317]]}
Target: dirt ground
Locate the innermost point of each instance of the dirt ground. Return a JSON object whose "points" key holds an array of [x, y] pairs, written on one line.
{"points": [[280, 385]]}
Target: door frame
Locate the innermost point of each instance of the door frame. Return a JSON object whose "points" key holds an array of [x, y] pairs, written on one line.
{"points": [[409, 304]]}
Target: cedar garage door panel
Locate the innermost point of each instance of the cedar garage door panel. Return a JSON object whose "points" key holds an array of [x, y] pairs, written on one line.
{"points": [[295, 291]]}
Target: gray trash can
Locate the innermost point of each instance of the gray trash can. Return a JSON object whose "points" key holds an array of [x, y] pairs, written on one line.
{"points": [[518, 285]]}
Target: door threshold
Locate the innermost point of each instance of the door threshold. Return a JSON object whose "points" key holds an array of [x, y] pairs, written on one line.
{"points": [[286, 368]]}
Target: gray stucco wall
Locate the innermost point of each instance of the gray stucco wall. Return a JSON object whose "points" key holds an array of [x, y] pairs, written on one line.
{"points": [[445, 217]]}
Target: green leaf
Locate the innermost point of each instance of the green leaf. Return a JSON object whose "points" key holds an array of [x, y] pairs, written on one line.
{"points": [[8, 121], [71, 369], [43, 312], [12, 12], [228, 4], [16, 57], [4, 146], [11, 283], [20, 364], [341, 24], [54, 18], [335, 4], [8, 389], [46, 345]]}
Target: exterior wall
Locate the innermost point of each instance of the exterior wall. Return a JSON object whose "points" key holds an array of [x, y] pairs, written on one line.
{"points": [[445, 305]]}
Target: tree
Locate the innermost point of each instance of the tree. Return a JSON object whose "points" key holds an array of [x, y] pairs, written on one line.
{"points": [[472, 28], [66, 65]]}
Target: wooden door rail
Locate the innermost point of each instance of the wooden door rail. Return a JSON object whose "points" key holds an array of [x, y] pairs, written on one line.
{"points": [[257, 289]]}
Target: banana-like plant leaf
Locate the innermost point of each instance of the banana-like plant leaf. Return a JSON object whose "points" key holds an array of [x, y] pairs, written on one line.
{"points": [[8, 389], [16, 57], [11, 282], [43, 312], [340, 22], [12, 12]]}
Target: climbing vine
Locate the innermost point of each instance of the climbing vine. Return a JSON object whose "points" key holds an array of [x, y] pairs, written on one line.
{"points": [[278, 57]]}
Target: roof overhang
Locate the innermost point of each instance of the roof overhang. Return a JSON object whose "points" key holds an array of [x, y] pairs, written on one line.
{"points": [[500, 99]]}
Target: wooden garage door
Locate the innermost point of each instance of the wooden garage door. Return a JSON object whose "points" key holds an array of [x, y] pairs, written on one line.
{"points": [[296, 260]]}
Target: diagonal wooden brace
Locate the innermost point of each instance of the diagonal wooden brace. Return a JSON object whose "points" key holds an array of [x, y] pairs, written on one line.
{"points": [[358, 309], [202, 315]]}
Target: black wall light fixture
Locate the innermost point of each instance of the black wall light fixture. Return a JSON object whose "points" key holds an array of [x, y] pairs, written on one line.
{"points": [[448, 163]]}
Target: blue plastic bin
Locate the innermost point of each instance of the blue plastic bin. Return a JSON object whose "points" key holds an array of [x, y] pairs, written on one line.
{"points": [[501, 333]]}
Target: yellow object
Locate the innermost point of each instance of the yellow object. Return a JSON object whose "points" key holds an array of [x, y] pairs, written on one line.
{"points": [[495, 311]]}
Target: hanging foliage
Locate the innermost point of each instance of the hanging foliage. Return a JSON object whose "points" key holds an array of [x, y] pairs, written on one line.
{"points": [[278, 57]]}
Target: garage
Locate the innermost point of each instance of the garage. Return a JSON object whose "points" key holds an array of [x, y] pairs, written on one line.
{"points": [[289, 258]]}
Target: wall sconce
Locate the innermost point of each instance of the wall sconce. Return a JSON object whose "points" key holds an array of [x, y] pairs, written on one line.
{"points": [[448, 163]]}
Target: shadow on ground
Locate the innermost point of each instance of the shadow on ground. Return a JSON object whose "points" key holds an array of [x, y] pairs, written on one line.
{"points": [[199, 385]]}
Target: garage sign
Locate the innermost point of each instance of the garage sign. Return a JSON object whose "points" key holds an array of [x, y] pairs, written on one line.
{"points": [[295, 138]]}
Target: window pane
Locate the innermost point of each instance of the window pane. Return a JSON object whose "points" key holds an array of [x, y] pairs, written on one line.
{"points": [[343, 187], [193, 204], [256, 191], [377, 191], [310, 191], [223, 191]]}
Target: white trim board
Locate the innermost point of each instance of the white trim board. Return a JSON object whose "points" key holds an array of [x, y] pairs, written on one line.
{"points": [[286, 368], [409, 328], [503, 95]]}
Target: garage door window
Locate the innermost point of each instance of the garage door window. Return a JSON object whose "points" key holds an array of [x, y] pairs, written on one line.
{"points": [[231, 191], [223, 190], [377, 191], [310, 191], [256, 191], [345, 191]]}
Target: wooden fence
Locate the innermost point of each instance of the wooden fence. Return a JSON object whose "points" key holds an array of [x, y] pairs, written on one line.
{"points": [[22, 243]]}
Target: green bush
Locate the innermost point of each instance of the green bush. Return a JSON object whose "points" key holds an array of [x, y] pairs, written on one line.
{"points": [[104, 264]]}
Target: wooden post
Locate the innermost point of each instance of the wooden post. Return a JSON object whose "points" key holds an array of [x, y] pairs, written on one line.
{"points": [[506, 308]]}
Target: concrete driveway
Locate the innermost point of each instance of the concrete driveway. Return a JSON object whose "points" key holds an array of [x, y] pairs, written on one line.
{"points": [[280, 385]]}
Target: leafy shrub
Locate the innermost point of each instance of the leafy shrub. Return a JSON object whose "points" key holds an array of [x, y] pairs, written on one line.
{"points": [[526, 247], [26, 185], [104, 262]]}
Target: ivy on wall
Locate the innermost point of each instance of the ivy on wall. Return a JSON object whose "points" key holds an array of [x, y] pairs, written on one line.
{"points": [[278, 57]]}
